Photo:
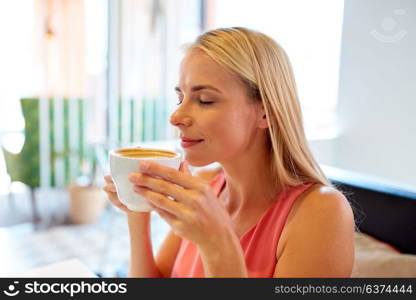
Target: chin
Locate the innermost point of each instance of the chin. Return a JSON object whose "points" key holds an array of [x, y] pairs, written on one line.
{"points": [[197, 162]]}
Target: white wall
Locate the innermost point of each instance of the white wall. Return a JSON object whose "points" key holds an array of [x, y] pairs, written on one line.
{"points": [[377, 92]]}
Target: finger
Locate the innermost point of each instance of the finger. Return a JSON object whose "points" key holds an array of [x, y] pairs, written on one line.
{"points": [[163, 187], [116, 202], [121, 206], [110, 188], [184, 168], [110, 194], [168, 217], [185, 180], [108, 178], [112, 197], [161, 201]]}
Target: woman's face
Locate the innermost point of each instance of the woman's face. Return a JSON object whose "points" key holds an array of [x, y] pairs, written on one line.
{"points": [[214, 111]]}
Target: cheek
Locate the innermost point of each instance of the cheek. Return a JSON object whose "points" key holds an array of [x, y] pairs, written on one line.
{"points": [[234, 129], [225, 133]]}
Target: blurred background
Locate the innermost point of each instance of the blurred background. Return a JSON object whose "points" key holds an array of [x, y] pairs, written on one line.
{"points": [[80, 77]]}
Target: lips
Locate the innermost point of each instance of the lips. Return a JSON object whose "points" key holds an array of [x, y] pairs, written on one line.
{"points": [[188, 142], [191, 140]]}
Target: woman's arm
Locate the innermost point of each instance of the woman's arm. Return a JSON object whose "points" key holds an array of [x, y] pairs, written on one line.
{"points": [[167, 254], [224, 257], [229, 261], [142, 263], [320, 238], [196, 215]]}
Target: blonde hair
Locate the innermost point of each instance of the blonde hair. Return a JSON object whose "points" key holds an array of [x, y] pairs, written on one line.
{"points": [[263, 66]]}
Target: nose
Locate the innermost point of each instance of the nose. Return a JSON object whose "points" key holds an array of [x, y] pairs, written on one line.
{"points": [[180, 117]]}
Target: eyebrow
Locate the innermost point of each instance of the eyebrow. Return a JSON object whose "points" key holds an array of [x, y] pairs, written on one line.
{"points": [[197, 88]]}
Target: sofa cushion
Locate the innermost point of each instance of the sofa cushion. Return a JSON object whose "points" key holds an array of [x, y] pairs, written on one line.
{"points": [[375, 258]]}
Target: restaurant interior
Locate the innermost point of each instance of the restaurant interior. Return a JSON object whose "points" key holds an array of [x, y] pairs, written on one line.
{"points": [[82, 77]]}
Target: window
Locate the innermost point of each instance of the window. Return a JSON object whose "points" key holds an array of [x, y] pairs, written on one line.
{"points": [[310, 33], [144, 52], [17, 62]]}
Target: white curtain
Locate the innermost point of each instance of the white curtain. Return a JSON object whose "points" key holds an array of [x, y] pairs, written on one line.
{"points": [[144, 45]]}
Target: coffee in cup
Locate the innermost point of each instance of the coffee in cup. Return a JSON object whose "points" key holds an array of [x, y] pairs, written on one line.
{"points": [[125, 161]]}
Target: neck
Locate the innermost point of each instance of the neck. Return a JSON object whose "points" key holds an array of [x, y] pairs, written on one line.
{"points": [[250, 183]]}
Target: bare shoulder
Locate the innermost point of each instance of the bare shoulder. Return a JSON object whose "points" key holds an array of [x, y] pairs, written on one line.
{"points": [[318, 239], [320, 205], [329, 199]]}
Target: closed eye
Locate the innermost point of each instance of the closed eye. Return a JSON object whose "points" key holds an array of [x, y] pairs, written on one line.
{"points": [[205, 102], [199, 101]]}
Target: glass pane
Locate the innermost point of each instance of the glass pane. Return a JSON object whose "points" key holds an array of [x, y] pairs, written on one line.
{"points": [[310, 33]]}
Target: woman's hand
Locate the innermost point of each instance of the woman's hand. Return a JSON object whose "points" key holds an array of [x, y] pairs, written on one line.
{"points": [[196, 214], [111, 191]]}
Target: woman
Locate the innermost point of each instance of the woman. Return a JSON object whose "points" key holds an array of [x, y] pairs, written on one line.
{"points": [[270, 211]]}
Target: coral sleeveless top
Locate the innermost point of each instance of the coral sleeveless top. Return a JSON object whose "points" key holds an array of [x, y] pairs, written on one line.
{"points": [[259, 242]]}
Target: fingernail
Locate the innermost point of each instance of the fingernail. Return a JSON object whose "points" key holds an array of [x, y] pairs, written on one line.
{"points": [[144, 166]]}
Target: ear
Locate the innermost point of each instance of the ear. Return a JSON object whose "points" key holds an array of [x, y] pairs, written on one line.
{"points": [[262, 118]]}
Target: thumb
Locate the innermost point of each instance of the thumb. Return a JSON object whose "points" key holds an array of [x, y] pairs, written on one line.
{"points": [[184, 168]]}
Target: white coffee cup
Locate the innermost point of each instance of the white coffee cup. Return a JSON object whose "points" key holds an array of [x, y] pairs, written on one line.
{"points": [[125, 161]]}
